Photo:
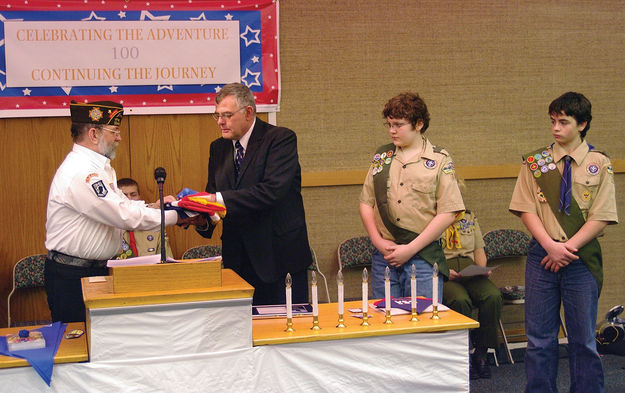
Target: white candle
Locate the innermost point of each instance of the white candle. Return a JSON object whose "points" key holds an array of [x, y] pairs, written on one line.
{"points": [[339, 281], [365, 291], [387, 289], [435, 285], [289, 303], [413, 287], [315, 300]]}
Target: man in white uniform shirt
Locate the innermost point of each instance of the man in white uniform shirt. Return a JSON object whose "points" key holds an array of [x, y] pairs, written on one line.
{"points": [[86, 211]]}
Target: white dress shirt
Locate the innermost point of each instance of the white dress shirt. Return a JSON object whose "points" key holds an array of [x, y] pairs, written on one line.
{"points": [[87, 212]]}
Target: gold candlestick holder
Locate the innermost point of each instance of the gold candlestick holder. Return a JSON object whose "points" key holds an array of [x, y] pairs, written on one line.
{"points": [[413, 315], [365, 319], [341, 322], [388, 317], [315, 325], [435, 312], [289, 325]]}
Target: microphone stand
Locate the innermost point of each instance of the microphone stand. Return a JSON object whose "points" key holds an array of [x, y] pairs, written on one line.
{"points": [[159, 176]]}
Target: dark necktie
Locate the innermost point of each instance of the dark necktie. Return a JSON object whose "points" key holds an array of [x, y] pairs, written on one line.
{"points": [[239, 158], [565, 187]]}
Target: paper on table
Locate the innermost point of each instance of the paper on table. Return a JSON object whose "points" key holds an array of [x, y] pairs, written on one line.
{"points": [[475, 270], [152, 260]]}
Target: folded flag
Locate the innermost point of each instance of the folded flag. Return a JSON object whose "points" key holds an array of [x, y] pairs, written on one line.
{"points": [[200, 202]]}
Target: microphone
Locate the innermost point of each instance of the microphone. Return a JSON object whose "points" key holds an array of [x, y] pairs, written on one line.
{"points": [[159, 176]]}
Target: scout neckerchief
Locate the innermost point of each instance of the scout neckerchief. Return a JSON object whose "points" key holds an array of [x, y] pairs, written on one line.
{"points": [[541, 166], [452, 235], [433, 252]]}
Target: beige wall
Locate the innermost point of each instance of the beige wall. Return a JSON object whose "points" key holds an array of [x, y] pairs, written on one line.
{"points": [[487, 70]]}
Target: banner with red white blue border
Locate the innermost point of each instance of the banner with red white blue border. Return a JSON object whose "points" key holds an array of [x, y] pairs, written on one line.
{"points": [[258, 54]]}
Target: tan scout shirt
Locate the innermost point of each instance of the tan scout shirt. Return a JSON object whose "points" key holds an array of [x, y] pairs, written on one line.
{"points": [[418, 189], [470, 237], [593, 189], [147, 242]]}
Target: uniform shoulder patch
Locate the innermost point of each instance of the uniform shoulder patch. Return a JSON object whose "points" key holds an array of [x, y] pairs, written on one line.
{"points": [[440, 149], [449, 168], [100, 189]]}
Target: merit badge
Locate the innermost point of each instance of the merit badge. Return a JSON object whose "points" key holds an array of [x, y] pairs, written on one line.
{"points": [[538, 156], [390, 153], [430, 164], [610, 170], [74, 333], [449, 168], [544, 169], [548, 159], [586, 195], [551, 166], [124, 245], [95, 114], [150, 238], [376, 157], [388, 160], [530, 159], [592, 169], [545, 153], [537, 173], [541, 162], [383, 155], [100, 188], [540, 196], [534, 166]]}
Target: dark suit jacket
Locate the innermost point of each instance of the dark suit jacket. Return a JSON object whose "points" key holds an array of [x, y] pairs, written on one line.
{"points": [[265, 212]]}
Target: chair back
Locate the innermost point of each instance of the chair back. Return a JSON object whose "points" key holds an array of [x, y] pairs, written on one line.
{"points": [[355, 252], [202, 252], [28, 272], [505, 243]]}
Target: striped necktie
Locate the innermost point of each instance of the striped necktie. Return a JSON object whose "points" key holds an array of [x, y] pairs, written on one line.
{"points": [[565, 187], [239, 158]]}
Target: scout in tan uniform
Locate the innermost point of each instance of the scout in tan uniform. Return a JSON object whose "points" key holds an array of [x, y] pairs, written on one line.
{"points": [[464, 246], [565, 197], [409, 197], [139, 243]]}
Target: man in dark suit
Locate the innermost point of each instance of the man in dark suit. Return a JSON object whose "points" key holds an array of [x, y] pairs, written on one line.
{"points": [[254, 171]]}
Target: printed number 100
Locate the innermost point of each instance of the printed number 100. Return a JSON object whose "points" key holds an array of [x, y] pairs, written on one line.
{"points": [[125, 53]]}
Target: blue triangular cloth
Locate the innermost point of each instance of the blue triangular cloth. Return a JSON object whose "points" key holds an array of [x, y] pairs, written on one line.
{"points": [[42, 359]]}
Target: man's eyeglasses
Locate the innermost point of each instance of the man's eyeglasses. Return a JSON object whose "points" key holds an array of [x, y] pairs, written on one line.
{"points": [[114, 132], [395, 126], [226, 115]]}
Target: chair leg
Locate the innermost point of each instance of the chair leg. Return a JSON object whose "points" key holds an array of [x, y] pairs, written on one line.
{"points": [[505, 342], [494, 352]]}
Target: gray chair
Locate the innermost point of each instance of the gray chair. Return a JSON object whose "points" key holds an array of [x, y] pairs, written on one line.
{"points": [[27, 273], [314, 266], [355, 252]]}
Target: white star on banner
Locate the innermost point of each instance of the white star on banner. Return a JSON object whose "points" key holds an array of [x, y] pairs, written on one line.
{"points": [[122, 14], [228, 16], [2, 85], [255, 59], [93, 16], [256, 75], [255, 40], [113, 89], [217, 89], [149, 16], [26, 91], [201, 17], [162, 87]]}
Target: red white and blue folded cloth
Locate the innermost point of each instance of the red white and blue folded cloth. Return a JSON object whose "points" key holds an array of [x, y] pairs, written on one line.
{"points": [[190, 203]]}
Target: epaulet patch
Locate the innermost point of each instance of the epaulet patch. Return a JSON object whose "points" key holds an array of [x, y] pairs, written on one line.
{"points": [[440, 149]]}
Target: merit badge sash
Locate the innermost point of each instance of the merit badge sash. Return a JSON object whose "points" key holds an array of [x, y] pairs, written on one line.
{"points": [[433, 252], [541, 166]]}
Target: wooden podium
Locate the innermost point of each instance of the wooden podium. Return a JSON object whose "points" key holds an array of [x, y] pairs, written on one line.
{"points": [[156, 311]]}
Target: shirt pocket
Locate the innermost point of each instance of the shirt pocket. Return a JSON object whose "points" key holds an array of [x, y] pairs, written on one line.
{"points": [[585, 188]]}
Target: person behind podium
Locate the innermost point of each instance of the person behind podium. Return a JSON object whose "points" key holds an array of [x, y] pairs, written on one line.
{"points": [[253, 169], [139, 243], [463, 246], [565, 197], [409, 197], [86, 211]]}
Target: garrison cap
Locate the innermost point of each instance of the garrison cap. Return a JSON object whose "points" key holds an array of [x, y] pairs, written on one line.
{"points": [[98, 112]]}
